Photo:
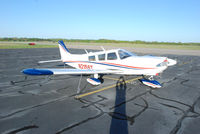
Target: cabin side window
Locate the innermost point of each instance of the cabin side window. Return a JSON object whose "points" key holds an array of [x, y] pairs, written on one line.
{"points": [[101, 56], [91, 58], [111, 56]]}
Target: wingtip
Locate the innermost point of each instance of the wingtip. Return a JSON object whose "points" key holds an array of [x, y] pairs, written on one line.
{"points": [[32, 71]]}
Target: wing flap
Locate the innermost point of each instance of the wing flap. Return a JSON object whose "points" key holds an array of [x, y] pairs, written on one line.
{"points": [[56, 71]]}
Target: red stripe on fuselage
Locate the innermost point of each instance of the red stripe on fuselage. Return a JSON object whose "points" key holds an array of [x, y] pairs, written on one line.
{"points": [[110, 64], [127, 66]]}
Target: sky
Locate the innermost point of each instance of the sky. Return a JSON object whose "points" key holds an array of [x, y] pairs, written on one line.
{"points": [[147, 20]]}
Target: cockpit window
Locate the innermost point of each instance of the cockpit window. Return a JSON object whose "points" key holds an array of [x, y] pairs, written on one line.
{"points": [[91, 58], [124, 54], [111, 56], [101, 57]]}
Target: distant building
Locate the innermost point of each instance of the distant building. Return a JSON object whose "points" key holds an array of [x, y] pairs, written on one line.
{"points": [[32, 43]]}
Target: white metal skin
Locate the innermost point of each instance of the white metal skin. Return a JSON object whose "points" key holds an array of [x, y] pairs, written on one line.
{"points": [[132, 65], [116, 61]]}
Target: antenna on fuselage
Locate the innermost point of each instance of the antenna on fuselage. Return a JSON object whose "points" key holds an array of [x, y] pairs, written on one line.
{"points": [[103, 48], [86, 51]]}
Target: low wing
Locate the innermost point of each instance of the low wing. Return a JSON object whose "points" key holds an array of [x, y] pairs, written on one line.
{"points": [[56, 71]]}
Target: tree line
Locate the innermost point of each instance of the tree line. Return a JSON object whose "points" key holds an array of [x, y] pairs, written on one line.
{"points": [[96, 41]]}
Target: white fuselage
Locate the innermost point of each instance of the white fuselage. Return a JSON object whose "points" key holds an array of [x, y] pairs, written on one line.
{"points": [[132, 65], [116, 61]]}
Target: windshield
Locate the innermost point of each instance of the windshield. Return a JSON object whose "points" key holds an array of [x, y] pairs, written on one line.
{"points": [[124, 54]]}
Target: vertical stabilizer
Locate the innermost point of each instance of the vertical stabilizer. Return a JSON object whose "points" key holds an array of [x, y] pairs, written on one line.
{"points": [[64, 52]]}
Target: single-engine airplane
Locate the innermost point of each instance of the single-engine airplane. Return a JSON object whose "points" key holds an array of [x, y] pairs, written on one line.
{"points": [[116, 61]]}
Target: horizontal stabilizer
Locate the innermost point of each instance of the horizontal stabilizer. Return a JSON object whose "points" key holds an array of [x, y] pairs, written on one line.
{"points": [[49, 61]]}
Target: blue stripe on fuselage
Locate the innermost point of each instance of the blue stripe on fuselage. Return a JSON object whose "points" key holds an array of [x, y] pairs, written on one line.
{"points": [[106, 64]]}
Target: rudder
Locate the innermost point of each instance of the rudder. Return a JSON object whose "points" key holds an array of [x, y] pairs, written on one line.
{"points": [[64, 52]]}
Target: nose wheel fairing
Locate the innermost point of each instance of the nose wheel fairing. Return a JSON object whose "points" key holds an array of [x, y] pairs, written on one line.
{"points": [[151, 83], [94, 81]]}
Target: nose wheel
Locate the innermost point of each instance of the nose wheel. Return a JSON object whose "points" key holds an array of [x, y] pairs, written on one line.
{"points": [[148, 77]]}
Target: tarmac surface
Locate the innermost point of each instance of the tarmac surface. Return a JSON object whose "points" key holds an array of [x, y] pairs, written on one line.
{"points": [[47, 105]]}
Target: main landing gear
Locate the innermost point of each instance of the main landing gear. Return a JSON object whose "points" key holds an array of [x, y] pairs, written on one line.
{"points": [[96, 80]]}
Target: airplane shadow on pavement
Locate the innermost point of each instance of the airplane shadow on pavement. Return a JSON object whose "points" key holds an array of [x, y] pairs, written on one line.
{"points": [[119, 124]]}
